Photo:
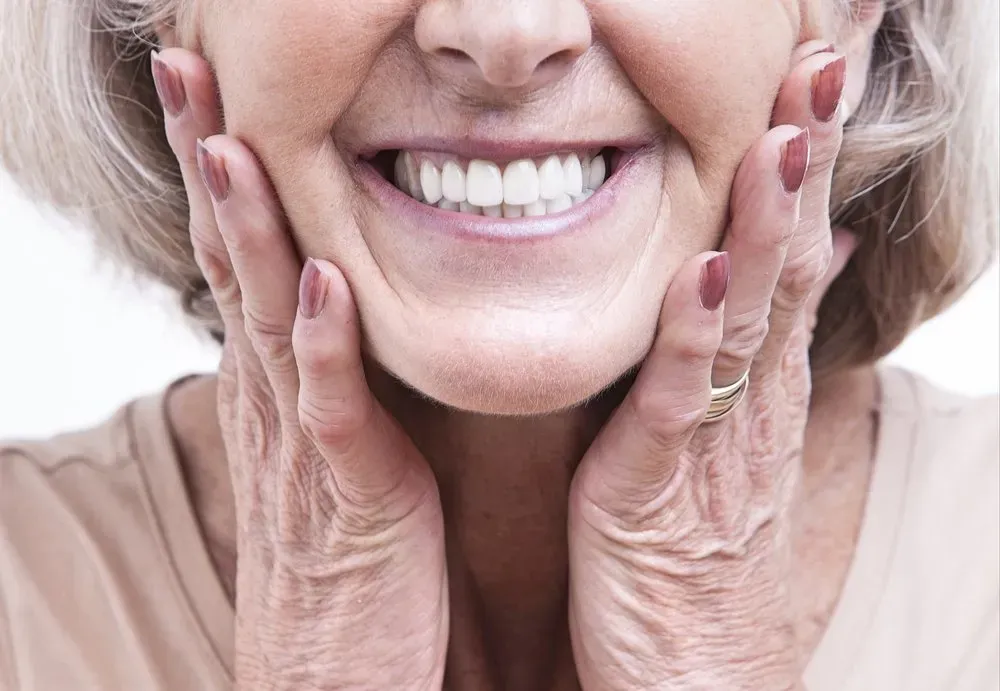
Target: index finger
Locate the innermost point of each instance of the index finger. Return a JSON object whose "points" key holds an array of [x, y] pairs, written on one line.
{"points": [[264, 258]]}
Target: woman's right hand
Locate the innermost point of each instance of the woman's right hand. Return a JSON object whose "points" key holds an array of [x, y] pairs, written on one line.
{"points": [[341, 579]]}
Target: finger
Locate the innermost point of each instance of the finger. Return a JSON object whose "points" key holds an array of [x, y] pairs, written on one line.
{"points": [[808, 49], [810, 97], [369, 453], [267, 266], [635, 454], [186, 88], [764, 210], [184, 85]]}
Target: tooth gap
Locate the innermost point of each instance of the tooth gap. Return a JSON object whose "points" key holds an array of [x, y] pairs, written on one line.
{"points": [[608, 154], [384, 163]]}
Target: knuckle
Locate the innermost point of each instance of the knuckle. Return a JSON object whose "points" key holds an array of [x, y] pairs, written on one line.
{"points": [[700, 348], [744, 337], [205, 237], [825, 150], [229, 295], [271, 340], [799, 277], [221, 280], [211, 259], [667, 420], [334, 422], [317, 356]]}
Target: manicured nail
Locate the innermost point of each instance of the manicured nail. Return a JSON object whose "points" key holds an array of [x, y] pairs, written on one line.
{"points": [[829, 48], [213, 172], [794, 162], [715, 281], [169, 86], [828, 89], [312, 291]]}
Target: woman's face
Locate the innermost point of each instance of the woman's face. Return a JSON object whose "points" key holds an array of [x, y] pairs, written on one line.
{"points": [[345, 101]]}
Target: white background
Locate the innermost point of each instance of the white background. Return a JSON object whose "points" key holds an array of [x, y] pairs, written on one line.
{"points": [[78, 339]]}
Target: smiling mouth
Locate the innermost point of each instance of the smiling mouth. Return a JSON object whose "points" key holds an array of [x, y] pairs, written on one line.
{"points": [[522, 188]]}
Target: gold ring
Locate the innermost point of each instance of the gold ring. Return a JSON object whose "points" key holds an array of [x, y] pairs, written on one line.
{"points": [[726, 398]]}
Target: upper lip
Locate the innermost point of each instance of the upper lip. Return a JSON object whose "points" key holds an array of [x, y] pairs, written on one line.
{"points": [[500, 150]]}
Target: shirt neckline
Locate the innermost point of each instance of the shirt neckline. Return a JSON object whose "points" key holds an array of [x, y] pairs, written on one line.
{"points": [[844, 639], [205, 596]]}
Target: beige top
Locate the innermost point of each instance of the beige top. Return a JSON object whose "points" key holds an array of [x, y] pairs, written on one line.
{"points": [[105, 582]]}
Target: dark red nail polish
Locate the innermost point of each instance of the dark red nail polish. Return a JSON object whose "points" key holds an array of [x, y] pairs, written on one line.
{"points": [[794, 162], [312, 291], [169, 86], [715, 281], [213, 172], [828, 89]]}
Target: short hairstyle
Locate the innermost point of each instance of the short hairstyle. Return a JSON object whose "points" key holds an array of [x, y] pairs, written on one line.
{"points": [[81, 130]]}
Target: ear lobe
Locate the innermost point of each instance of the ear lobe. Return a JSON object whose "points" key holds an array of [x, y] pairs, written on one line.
{"points": [[844, 244]]}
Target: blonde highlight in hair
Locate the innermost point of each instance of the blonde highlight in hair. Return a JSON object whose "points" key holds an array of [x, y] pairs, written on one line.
{"points": [[81, 129], [917, 178]]}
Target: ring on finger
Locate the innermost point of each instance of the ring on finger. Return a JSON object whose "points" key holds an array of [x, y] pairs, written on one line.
{"points": [[725, 399]]}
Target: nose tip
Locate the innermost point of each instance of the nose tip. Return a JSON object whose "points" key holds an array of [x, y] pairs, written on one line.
{"points": [[505, 43]]}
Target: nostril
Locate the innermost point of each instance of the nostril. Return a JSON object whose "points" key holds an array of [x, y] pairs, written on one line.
{"points": [[522, 44], [454, 54], [560, 59]]}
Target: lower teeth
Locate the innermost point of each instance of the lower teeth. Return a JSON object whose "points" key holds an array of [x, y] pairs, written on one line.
{"points": [[542, 207]]}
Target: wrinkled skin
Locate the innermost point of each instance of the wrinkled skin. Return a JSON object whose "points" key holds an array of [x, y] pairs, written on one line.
{"points": [[678, 531]]}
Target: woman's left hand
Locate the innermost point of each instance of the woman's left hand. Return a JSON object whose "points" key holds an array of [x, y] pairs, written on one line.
{"points": [[679, 528]]}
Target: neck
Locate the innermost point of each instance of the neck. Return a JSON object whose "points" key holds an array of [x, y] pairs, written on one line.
{"points": [[505, 466], [504, 483]]}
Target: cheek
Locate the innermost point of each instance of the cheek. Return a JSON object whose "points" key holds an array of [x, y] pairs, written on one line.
{"points": [[287, 70], [711, 68]]}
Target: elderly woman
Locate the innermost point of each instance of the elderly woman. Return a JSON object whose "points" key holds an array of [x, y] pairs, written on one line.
{"points": [[550, 334]]}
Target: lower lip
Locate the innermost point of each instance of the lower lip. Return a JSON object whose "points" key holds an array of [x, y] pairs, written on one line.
{"points": [[483, 228]]}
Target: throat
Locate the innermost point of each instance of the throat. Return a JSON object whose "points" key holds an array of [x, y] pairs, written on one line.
{"points": [[508, 581], [504, 484]]}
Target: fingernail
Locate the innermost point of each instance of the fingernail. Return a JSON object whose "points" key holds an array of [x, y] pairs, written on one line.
{"points": [[828, 88], [169, 86], [829, 48], [213, 172], [715, 281], [794, 162], [312, 291]]}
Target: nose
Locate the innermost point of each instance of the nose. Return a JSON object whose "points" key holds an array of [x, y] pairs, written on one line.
{"points": [[504, 43]]}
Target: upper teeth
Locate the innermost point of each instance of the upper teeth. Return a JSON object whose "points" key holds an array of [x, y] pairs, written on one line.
{"points": [[522, 188]]}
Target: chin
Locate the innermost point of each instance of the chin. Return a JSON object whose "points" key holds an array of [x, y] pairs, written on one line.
{"points": [[516, 376]]}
